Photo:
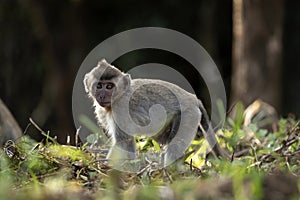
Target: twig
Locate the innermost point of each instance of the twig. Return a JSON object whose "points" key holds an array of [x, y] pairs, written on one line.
{"points": [[35, 125], [76, 136], [232, 155], [293, 129], [42, 132]]}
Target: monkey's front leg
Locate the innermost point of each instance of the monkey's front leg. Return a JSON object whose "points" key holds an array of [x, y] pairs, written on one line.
{"points": [[123, 146]]}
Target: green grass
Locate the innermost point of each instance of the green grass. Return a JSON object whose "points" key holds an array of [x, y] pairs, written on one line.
{"points": [[262, 165]]}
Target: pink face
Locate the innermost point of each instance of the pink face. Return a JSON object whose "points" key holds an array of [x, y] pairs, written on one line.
{"points": [[104, 91]]}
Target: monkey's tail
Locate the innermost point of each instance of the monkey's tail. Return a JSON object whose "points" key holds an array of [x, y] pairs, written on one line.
{"points": [[209, 134]]}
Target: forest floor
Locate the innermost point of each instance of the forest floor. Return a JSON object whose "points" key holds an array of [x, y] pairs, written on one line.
{"points": [[263, 164]]}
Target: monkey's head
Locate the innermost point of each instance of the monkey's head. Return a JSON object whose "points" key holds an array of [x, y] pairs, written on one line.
{"points": [[105, 82]]}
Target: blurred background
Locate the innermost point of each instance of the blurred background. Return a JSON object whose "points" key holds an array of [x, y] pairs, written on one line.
{"points": [[254, 43]]}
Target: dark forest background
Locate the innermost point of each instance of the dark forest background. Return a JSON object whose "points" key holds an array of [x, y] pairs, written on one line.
{"points": [[43, 44]]}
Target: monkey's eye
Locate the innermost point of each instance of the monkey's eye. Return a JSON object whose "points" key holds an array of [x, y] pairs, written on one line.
{"points": [[99, 85], [110, 86]]}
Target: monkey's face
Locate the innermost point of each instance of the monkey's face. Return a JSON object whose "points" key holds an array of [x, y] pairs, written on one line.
{"points": [[105, 83], [103, 92]]}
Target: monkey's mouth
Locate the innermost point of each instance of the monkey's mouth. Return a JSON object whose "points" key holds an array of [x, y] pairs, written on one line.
{"points": [[104, 104]]}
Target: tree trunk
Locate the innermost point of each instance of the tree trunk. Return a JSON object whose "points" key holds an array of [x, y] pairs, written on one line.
{"points": [[257, 46], [9, 128]]}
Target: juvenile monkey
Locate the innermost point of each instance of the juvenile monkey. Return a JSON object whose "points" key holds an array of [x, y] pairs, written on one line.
{"points": [[126, 107]]}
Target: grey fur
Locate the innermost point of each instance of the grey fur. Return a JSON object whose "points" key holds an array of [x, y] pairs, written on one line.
{"points": [[130, 115]]}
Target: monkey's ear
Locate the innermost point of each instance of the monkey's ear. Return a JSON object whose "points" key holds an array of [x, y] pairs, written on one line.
{"points": [[127, 81], [85, 82], [123, 83], [102, 61]]}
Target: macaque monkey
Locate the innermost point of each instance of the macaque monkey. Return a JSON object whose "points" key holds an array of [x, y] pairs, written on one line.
{"points": [[125, 107]]}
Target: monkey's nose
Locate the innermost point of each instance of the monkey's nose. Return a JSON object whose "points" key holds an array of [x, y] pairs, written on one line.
{"points": [[101, 96]]}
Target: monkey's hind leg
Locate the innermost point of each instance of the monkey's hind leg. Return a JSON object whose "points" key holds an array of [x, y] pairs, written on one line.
{"points": [[182, 132]]}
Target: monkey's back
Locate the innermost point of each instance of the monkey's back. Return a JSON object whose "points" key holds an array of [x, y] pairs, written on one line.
{"points": [[161, 86], [148, 92]]}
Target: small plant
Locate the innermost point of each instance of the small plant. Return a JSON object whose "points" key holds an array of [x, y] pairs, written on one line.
{"points": [[261, 161]]}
